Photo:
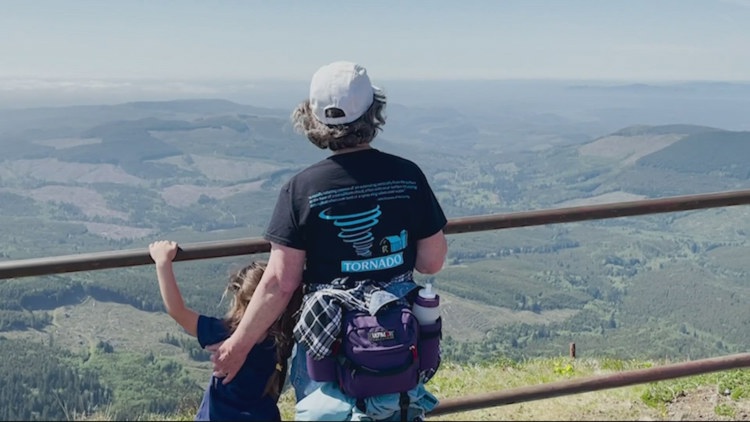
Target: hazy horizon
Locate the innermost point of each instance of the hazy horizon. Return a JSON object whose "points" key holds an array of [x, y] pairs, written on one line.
{"points": [[592, 108], [422, 52], [640, 40], [279, 93]]}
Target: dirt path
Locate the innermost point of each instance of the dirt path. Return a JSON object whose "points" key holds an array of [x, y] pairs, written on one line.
{"points": [[706, 404]]}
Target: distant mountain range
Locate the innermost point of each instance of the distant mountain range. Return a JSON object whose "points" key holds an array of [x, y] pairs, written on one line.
{"points": [[220, 149]]}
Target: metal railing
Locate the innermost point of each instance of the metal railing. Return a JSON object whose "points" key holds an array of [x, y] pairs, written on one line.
{"points": [[225, 248], [595, 383]]}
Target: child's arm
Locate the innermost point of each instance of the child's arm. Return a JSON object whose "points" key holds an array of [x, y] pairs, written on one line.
{"points": [[163, 252]]}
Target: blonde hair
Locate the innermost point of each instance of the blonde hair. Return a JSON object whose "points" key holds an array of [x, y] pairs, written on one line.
{"points": [[242, 285]]}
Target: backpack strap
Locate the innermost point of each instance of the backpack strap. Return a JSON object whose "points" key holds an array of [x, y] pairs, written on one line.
{"points": [[403, 403], [361, 405]]}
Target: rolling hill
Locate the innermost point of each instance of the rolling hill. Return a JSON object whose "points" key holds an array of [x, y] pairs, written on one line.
{"points": [[97, 178]]}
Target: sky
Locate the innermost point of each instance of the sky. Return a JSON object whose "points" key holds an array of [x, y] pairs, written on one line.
{"points": [[183, 40]]}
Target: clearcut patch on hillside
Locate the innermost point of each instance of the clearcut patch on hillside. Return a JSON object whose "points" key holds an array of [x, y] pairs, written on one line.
{"points": [[89, 201], [53, 170], [116, 231], [466, 320], [62, 143], [606, 198], [222, 168], [81, 327], [628, 148], [183, 195], [216, 168]]}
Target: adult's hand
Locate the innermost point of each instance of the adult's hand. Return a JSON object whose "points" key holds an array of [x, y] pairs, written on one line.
{"points": [[227, 357]]}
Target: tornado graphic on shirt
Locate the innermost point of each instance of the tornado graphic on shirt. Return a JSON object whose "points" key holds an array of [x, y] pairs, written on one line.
{"points": [[355, 225]]}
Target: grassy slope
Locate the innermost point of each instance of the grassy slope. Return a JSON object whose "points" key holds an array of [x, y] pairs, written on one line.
{"points": [[691, 398]]}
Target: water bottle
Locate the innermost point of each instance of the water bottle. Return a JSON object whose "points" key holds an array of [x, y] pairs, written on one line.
{"points": [[426, 305], [427, 311]]}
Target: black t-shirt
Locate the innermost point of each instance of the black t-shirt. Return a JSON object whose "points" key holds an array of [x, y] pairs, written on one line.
{"points": [[357, 214]]}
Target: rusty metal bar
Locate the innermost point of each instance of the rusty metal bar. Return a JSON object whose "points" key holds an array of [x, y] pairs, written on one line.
{"points": [[225, 248], [597, 212], [602, 382], [128, 258]]}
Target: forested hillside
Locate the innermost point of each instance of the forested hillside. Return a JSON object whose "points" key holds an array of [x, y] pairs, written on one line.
{"points": [[101, 178]]}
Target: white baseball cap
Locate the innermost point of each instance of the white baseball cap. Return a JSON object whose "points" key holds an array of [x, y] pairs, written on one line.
{"points": [[340, 93]]}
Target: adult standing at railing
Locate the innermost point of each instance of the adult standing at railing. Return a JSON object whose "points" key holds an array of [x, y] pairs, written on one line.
{"points": [[358, 216]]}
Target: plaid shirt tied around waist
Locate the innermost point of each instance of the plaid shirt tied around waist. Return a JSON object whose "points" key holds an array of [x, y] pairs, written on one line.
{"points": [[320, 318]]}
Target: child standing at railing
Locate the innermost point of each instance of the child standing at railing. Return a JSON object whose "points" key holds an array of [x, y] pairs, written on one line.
{"points": [[253, 393]]}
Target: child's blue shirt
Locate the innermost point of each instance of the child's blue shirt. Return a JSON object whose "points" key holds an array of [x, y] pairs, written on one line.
{"points": [[242, 399]]}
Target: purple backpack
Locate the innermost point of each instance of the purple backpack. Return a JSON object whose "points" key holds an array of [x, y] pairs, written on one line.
{"points": [[382, 354], [378, 353]]}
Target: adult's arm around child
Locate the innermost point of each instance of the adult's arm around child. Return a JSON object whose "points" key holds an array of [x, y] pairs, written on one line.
{"points": [[280, 280]]}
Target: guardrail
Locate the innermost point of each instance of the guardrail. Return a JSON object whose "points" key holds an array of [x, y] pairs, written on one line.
{"points": [[225, 248], [583, 385]]}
